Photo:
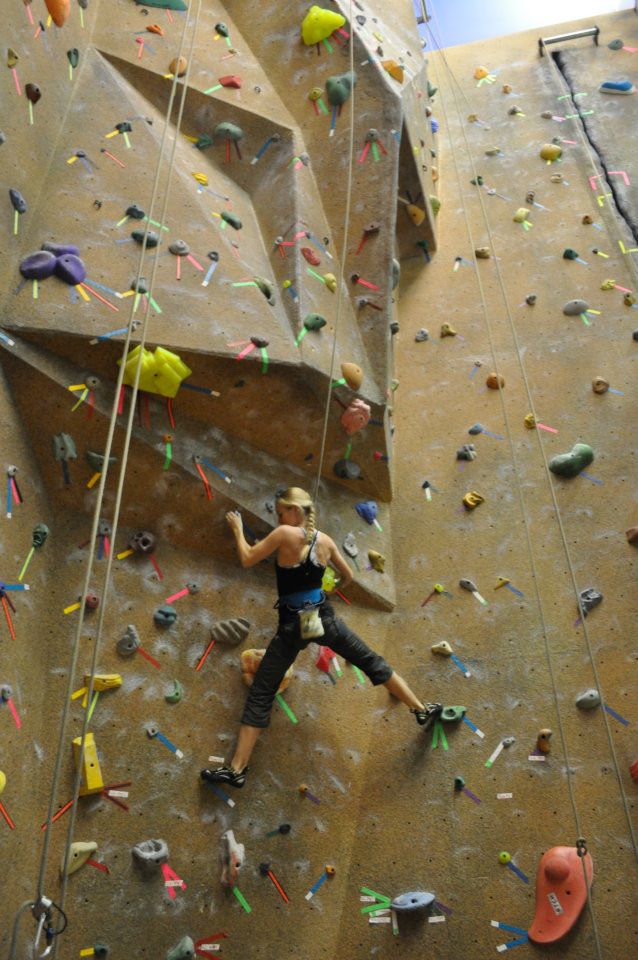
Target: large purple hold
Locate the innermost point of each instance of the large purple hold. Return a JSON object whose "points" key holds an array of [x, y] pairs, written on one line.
{"points": [[59, 249], [38, 266], [70, 269]]}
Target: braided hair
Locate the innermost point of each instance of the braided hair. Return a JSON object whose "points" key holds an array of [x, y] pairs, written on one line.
{"points": [[296, 497]]}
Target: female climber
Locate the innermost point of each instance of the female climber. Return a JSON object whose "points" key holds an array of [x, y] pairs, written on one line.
{"points": [[303, 553]]}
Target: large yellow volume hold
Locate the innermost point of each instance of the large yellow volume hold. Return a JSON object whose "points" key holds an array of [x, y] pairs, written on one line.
{"points": [[161, 372], [318, 24]]}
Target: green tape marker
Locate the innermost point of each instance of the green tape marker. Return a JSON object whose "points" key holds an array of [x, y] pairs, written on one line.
{"points": [[284, 706], [264, 360], [92, 707], [360, 677], [242, 900]]}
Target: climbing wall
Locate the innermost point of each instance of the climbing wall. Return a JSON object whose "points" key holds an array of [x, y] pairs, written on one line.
{"points": [[381, 805]]}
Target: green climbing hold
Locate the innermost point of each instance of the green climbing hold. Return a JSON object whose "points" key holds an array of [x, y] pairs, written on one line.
{"points": [[570, 254], [452, 714], [227, 131], [435, 203], [339, 88], [174, 694], [314, 321], [570, 464], [232, 219], [204, 142]]}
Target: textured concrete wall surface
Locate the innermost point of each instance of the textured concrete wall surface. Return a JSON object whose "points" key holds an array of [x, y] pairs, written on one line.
{"points": [[385, 813]]}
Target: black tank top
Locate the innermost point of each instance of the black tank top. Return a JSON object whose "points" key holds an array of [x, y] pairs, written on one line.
{"points": [[306, 575]]}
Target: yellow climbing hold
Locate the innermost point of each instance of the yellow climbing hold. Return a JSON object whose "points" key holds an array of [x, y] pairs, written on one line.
{"points": [[161, 372], [318, 24], [201, 178], [394, 69], [329, 581]]}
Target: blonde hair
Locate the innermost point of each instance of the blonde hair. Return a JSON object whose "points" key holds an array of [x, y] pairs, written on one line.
{"points": [[296, 497]]}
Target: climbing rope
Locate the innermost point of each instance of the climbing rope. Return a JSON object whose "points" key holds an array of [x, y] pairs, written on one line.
{"points": [[539, 604], [102, 483], [342, 260]]}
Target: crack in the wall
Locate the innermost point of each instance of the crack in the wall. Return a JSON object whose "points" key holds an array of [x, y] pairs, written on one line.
{"points": [[623, 209]]}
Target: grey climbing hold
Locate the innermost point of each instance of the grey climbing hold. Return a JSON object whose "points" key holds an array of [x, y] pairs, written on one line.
{"points": [[150, 853], [477, 428], [508, 741], [617, 44], [6, 692], [140, 285], [165, 615], [230, 631], [421, 335], [260, 342], [350, 547], [128, 644], [339, 88], [152, 238], [466, 452], [64, 447], [459, 783], [414, 900], [573, 308], [570, 464], [3, 138], [184, 950], [468, 585], [396, 273], [588, 700], [588, 599], [346, 469], [228, 131], [179, 248], [175, 693]]}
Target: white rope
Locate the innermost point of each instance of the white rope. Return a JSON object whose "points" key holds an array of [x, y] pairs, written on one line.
{"points": [[342, 260], [102, 484]]}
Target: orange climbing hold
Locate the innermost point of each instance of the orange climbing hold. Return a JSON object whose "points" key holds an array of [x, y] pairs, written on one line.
{"points": [[59, 10], [561, 893]]}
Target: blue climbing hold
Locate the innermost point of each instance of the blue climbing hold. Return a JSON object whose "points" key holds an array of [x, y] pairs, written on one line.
{"points": [[367, 510], [617, 86]]}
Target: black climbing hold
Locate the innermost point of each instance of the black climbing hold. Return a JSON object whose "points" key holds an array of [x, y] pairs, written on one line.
{"points": [[222, 29], [33, 92], [73, 56], [135, 212], [123, 127], [232, 219], [17, 200], [347, 470], [152, 238], [259, 342]]}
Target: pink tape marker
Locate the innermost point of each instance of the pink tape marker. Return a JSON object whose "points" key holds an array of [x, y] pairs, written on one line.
{"points": [[543, 426], [171, 880], [14, 712], [178, 595]]}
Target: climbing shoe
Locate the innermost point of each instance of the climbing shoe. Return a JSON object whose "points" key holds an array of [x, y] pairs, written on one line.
{"points": [[225, 775], [425, 717]]}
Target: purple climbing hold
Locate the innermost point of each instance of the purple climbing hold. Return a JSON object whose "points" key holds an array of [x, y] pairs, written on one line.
{"points": [[60, 249], [70, 269], [38, 266]]}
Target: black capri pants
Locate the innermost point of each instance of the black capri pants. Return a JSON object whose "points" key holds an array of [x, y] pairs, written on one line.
{"points": [[287, 643]]}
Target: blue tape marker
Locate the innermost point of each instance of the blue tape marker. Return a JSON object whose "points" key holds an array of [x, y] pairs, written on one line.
{"points": [[113, 333], [588, 476], [322, 879], [14, 586], [220, 793], [519, 873], [461, 666], [167, 743], [219, 472], [100, 286], [192, 386], [471, 725], [8, 496], [495, 436], [516, 943], [508, 926], [618, 393], [616, 716], [514, 590], [209, 274]]}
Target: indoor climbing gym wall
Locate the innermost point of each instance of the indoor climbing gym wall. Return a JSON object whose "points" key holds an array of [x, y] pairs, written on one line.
{"points": [[403, 279]]}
